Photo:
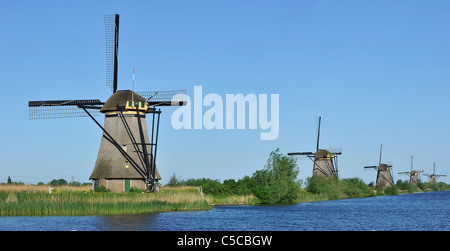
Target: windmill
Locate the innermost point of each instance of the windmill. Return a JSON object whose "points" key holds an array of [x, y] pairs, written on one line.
{"points": [[127, 155], [384, 172], [413, 174], [434, 176], [325, 162]]}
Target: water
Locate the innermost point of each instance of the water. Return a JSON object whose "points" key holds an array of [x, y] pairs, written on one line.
{"points": [[422, 212]]}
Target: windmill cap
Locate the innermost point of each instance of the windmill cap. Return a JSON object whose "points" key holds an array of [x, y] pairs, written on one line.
{"points": [[384, 167], [323, 154], [120, 98]]}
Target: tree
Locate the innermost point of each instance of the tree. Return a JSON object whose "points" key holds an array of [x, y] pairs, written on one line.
{"points": [[277, 182], [9, 180], [173, 181], [60, 182]]}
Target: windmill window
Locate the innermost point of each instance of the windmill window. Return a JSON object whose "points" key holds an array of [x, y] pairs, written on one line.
{"points": [[127, 164]]}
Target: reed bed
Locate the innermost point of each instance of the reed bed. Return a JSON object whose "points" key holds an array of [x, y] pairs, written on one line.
{"points": [[233, 200], [63, 202]]}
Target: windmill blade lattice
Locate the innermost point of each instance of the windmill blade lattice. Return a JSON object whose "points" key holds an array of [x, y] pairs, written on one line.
{"points": [[52, 109], [164, 98], [112, 50]]}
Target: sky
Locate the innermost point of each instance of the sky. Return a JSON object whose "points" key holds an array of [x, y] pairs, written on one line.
{"points": [[377, 72]]}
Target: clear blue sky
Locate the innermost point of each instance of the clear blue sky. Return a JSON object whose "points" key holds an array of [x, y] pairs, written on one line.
{"points": [[378, 72]]}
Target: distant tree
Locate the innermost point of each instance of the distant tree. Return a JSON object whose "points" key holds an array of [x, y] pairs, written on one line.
{"points": [[60, 182], [243, 186], [9, 180], [173, 181], [75, 183]]}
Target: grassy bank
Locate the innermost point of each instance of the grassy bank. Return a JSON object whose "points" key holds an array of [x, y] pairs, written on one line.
{"points": [[69, 202], [320, 189], [333, 189], [233, 200]]}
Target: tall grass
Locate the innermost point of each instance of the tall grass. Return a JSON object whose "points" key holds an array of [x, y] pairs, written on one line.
{"points": [[25, 203], [233, 200]]}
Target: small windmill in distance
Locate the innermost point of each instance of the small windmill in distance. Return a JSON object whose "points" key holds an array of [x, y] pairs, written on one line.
{"points": [[434, 176], [324, 162], [384, 172], [413, 174]]}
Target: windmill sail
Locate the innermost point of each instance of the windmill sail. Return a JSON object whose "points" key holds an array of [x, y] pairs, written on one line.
{"points": [[164, 98], [52, 109], [112, 50]]}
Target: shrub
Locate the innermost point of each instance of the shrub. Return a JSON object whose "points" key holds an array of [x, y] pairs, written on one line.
{"points": [[356, 188], [324, 186], [277, 182], [339, 189], [391, 190], [102, 189], [406, 185], [136, 190]]}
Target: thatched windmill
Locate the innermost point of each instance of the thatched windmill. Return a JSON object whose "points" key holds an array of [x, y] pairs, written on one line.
{"points": [[324, 162], [413, 174], [127, 155], [384, 172], [434, 176]]}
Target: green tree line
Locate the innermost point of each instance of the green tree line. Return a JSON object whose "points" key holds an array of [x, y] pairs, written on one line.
{"points": [[54, 182]]}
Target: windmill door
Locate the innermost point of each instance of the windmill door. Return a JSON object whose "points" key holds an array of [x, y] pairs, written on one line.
{"points": [[127, 184]]}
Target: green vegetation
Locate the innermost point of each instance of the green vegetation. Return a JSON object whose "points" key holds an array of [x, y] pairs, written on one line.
{"points": [[440, 186], [335, 189], [276, 183], [64, 202]]}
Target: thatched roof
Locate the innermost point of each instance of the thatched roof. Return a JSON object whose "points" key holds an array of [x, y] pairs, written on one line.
{"points": [[120, 98], [323, 154]]}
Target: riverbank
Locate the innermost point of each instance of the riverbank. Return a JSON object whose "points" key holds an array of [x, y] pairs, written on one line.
{"points": [[321, 189], [64, 201], [303, 196]]}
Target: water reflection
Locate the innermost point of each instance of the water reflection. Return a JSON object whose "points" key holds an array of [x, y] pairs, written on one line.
{"points": [[128, 222]]}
